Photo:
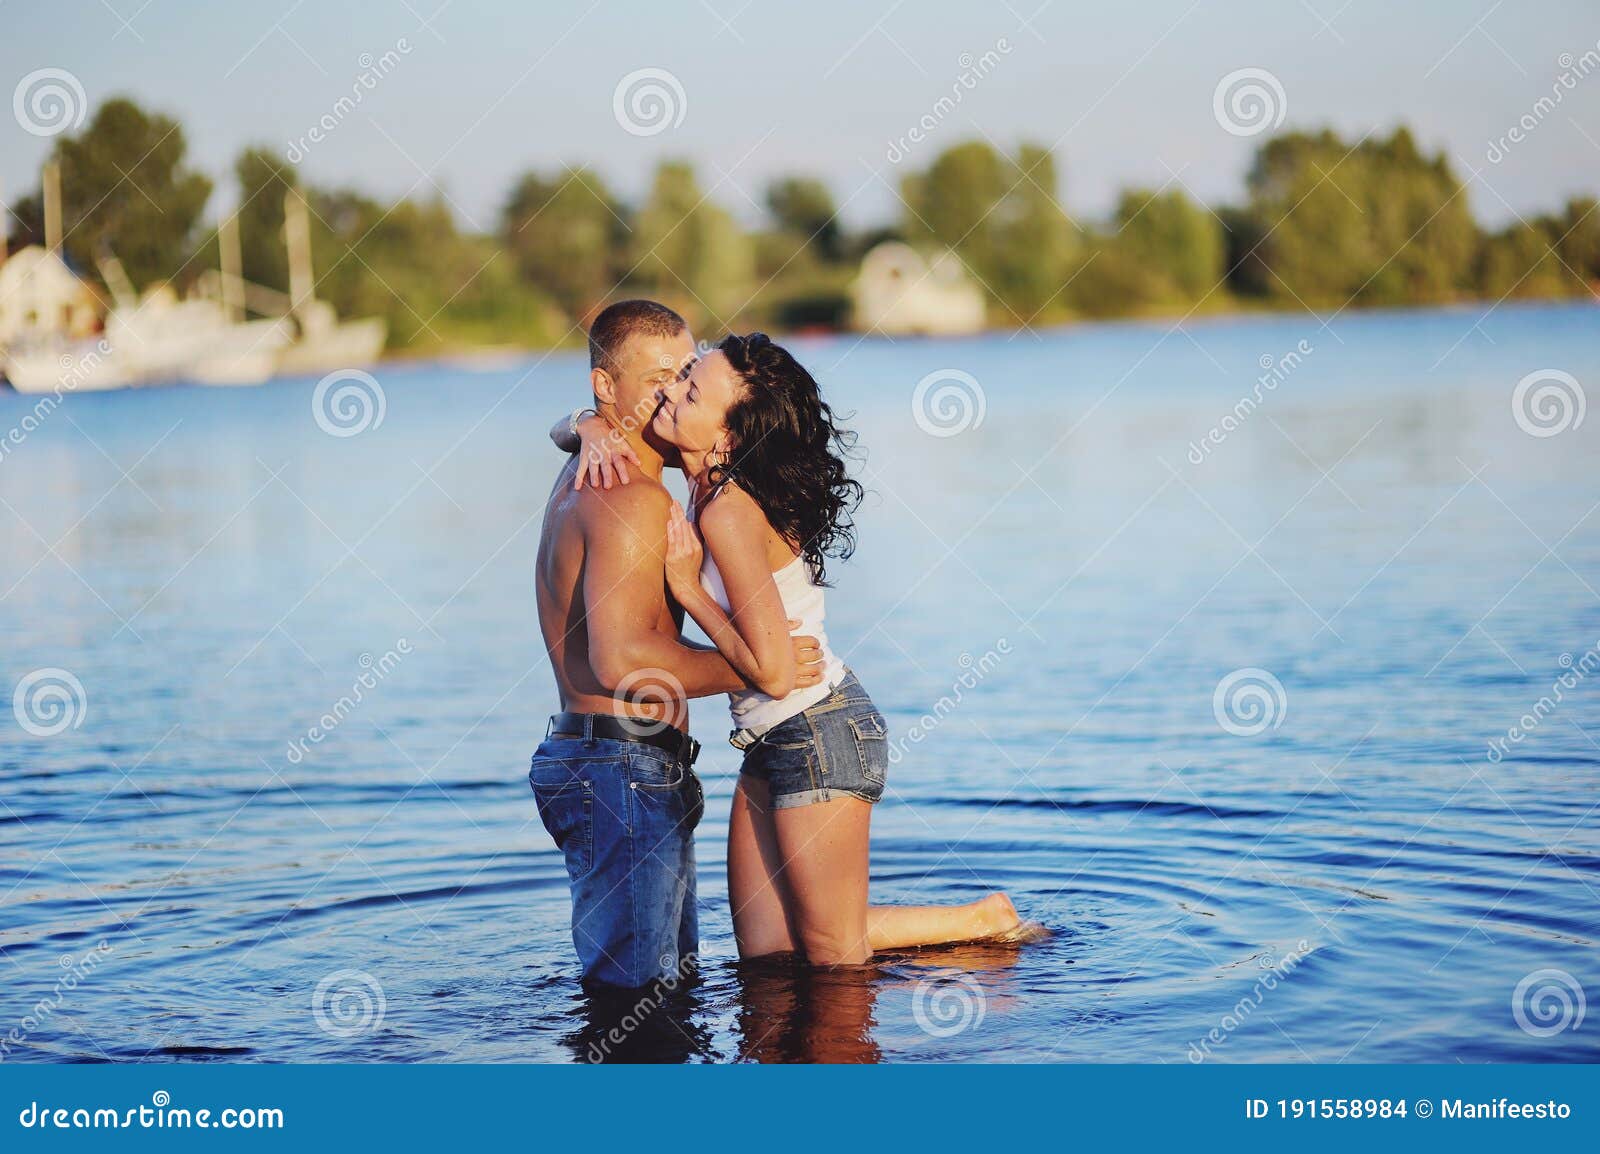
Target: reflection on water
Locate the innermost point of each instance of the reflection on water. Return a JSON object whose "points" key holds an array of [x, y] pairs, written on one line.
{"points": [[1351, 875], [785, 1011], [789, 1013]]}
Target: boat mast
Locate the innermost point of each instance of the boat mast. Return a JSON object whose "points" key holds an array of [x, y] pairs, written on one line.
{"points": [[232, 268], [297, 230], [52, 206]]}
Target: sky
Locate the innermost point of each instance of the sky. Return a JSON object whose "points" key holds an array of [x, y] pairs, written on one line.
{"points": [[478, 91]]}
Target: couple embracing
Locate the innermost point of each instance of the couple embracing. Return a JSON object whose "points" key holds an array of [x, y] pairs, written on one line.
{"points": [[619, 564]]}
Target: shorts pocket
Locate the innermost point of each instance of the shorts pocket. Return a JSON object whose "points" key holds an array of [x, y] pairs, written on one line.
{"points": [[791, 734], [566, 807], [872, 745]]}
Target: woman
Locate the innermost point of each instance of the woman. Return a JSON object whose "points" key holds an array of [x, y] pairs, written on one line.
{"points": [[770, 501]]}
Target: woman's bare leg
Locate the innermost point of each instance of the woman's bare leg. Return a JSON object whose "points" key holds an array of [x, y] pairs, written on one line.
{"points": [[896, 927], [755, 884], [823, 849]]}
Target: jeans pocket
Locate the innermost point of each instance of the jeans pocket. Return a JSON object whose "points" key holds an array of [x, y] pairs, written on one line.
{"points": [[648, 771], [567, 811], [695, 798]]}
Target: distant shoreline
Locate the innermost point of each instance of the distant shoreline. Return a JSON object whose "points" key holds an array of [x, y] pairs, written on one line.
{"points": [[491, 355]]}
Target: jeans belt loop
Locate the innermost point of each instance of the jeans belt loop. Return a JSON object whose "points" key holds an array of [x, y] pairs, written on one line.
{"points": [[588, 728]]}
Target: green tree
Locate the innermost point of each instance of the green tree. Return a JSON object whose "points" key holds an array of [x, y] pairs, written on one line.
{"points": [[690, 252], [1000, 216], [264, 177], [1035, 241], [1524, 262], [436, 286], [1174, 238], [567, 235], [803, 206], [953, 204], [125, 191], [1579, 242], [1373, 223]]}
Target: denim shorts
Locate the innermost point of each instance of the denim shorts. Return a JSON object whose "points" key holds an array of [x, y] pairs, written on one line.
{"points": [[623, 814], [838, 746]]}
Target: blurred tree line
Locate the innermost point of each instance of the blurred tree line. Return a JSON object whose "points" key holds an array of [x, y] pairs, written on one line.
{"points": [[1325, 223]]}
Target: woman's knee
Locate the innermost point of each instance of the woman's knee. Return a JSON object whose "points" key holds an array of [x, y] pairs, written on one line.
{"points": [[834, 945], [762, 945]]}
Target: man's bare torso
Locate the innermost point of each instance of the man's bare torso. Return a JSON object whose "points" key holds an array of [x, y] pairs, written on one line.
{"points": [[560, 588]]}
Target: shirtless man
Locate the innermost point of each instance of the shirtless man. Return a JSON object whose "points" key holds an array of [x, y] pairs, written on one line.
{"points": [[614, 777]]}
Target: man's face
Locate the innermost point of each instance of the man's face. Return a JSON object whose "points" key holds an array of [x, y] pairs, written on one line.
{"points": [[646, 366]]}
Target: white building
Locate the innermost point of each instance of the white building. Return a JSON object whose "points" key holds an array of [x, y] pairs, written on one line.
{"points": [[898, 293], [41, 299]]}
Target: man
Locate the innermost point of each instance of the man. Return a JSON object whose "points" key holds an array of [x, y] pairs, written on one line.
{"points": [[614, 778]]}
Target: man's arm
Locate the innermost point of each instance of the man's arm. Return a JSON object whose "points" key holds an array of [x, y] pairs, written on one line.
{"points": [[624, 595]]}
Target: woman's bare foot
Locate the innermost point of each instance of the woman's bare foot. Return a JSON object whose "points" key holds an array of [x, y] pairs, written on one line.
{"points": [[1002, 923], [996, 915]]}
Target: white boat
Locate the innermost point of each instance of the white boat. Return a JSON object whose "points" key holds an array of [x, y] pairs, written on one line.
{"points": [[326, 343], [153, 340], [158, 341], [65, 367], [322, 342]]}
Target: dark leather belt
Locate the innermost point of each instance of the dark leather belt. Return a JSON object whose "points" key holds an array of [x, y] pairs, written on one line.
{"points": [[608, 727]]}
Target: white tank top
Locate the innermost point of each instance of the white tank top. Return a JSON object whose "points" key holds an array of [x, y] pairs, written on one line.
{"points": [[803, 601]]}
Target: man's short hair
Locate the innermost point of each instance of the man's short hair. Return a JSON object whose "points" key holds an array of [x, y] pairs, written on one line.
{"points": [[616, 323]]}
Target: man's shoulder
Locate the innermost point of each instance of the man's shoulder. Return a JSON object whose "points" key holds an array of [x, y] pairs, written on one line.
{"points": [[641, 499]]}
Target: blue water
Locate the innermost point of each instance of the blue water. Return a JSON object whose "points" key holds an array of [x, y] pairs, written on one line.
{"points": [[1358, 881]]}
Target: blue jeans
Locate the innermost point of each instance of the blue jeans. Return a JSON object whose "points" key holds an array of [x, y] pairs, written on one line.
{"points": [[623, 813]]}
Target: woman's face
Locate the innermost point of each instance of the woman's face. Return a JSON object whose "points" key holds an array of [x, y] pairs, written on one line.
{"points": [[694, 408]]}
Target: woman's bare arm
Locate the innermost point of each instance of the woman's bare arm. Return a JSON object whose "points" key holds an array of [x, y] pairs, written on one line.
{"points": [[603, 452], [755, 637]]}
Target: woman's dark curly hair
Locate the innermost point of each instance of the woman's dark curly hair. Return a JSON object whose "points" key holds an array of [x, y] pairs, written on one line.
{"points": [[788, 453]]}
